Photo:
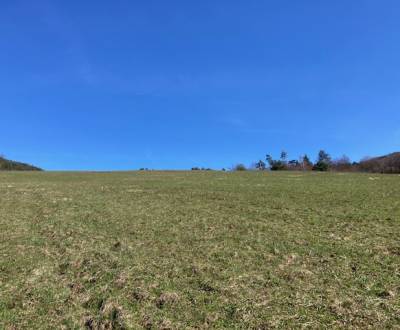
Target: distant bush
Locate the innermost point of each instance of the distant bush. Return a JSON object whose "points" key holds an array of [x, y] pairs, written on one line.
{"points": [[239, 167], [320, 167], [343, 164], [293, 165], [277, 164]]}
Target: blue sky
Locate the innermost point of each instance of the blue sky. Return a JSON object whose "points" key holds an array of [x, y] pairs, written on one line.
{"points": [[115, 85]]}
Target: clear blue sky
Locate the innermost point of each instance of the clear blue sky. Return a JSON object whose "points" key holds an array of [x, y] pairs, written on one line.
{"points": [[119, 85]]}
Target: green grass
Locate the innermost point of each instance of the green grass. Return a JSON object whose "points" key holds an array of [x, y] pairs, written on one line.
{"points": [[187, 250]]}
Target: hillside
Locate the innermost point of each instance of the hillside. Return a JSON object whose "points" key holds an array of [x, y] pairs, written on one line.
{"points": [[10, 165], [384, 164]]}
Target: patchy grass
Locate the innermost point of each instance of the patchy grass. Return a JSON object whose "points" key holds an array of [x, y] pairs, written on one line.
{"points": [[175, 250]]}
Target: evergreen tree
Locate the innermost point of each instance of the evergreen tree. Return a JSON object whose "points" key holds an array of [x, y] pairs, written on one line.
{"points": [[323, 161]]}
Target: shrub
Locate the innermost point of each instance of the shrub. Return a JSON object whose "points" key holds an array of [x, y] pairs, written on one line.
{"points": [[342, 164], [275, 165], [239, 167], [321, 167], [294, 165], [278, 165]]}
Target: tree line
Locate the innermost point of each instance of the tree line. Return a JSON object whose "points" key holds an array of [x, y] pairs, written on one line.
{"points": [[324, 162]]}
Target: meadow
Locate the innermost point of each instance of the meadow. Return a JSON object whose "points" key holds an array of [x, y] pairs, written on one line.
{"points": [[198, 250]]}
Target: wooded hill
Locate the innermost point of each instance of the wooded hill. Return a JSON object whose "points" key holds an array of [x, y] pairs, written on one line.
{"points": [[384, 164], [10, 165]]}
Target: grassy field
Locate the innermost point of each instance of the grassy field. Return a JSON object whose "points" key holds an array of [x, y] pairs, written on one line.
{"points": [[188, 250]]}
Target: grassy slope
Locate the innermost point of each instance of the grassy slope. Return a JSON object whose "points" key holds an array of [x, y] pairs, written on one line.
{"points": [[181, 250]]}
